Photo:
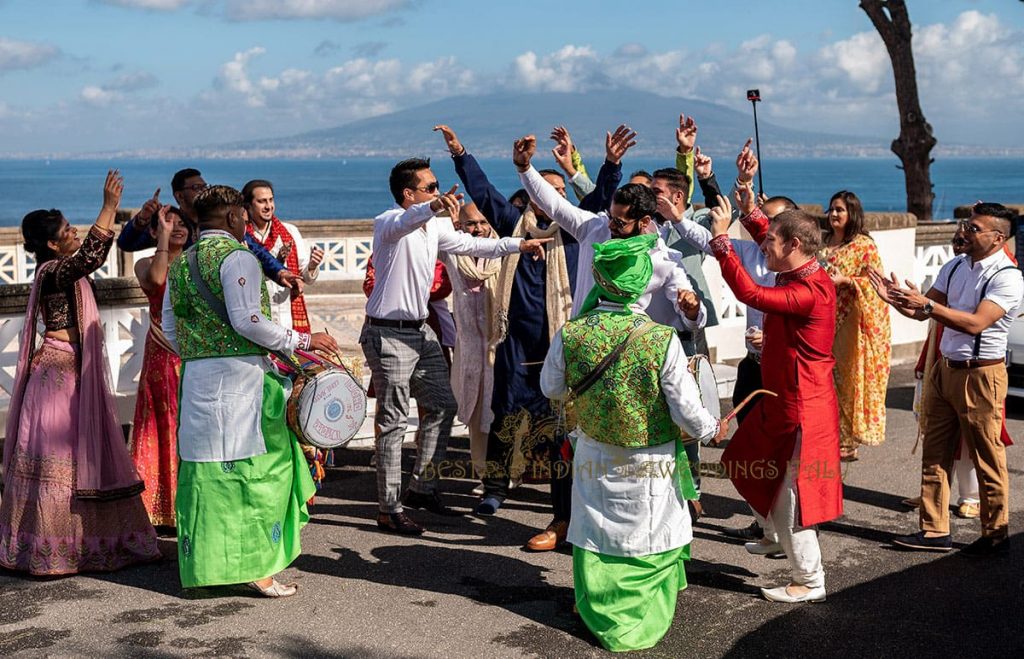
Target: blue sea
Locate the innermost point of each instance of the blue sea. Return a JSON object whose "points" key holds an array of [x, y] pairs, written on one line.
{"points": [[357, 187]]}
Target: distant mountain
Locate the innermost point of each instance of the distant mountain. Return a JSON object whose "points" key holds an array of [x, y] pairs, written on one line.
{"points": [[488, 124]]}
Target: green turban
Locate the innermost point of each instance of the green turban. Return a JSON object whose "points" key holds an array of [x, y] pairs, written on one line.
{"points": [[622, 269]]}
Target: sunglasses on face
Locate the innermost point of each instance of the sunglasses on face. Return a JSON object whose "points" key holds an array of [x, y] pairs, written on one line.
{"points": [[620, 223], [975, 230], [430, 187]]}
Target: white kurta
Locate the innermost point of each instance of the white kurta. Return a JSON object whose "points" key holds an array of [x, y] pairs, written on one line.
{"points": [[220, 403], [668, 278], [625, 501], [280, 297], [472, 376]]}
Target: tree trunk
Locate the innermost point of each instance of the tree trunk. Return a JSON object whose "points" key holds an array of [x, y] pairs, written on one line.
{"points": [[915, 143]]}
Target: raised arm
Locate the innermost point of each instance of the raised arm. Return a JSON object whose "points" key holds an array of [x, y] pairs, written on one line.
{"points": [[91, 256], [686, 138], [393, 225], [502, 215], [788, 300], [558, 208], [571, 162], [608, 179], [152, 272]]}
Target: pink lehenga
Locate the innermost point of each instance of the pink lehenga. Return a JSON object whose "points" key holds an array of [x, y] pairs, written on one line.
{"points": [[71, 495], [154, 444]]}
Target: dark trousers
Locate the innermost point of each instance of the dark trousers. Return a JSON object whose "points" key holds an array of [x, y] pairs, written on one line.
{"points": [[748, 379]]}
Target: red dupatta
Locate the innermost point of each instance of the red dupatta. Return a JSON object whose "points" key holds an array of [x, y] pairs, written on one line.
{"points": [[288, 254]]}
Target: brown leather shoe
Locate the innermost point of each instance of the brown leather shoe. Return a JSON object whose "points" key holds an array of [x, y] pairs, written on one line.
{"points": [[398, 523], [550, 538]]}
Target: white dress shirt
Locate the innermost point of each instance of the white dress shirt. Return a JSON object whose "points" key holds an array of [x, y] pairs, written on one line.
{"points": [[963, 293], [659, 300], [219, 409], [624, 500], [405, 246]]}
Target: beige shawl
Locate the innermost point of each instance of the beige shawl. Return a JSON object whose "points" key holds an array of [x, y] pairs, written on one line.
{"points": [[558, 294]]}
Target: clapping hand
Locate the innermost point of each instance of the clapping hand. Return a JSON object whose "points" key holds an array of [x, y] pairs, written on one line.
{"points": [[721, 217], [618, 143], [534, 246], [686, 134], [688, 303], [523, 150], [451, 139], [702, 165], [113, 188]]}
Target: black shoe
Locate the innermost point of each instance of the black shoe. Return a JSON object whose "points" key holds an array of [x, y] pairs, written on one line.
{"points": [[429, 502], [986, 546], [748, 533], [921, 542], [398, 523]]}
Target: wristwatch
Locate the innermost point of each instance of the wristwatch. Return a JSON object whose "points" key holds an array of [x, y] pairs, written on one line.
{"points": [[928, 308]]}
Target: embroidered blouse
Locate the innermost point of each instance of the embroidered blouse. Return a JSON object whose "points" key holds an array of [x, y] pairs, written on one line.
{"points": [[57, 289]]}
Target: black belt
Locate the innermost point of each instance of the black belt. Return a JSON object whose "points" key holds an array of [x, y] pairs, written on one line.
{"points": [[972, 363], [398, 324]]}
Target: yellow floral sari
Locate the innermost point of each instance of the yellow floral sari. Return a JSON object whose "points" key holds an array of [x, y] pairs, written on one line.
{"points": [[862, 346]]}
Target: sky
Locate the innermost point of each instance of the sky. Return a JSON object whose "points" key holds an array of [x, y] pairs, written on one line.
{"points": [[95, 75]]}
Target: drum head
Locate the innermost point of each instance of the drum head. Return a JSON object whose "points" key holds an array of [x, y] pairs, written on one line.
{"points": [[700, 366], [331, 409]]}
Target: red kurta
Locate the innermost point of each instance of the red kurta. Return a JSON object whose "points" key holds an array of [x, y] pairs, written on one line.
{"points": [[796, 363]]}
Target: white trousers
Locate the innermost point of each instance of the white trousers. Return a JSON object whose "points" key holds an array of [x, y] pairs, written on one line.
{"points": [[799, 542], [966, 476]]}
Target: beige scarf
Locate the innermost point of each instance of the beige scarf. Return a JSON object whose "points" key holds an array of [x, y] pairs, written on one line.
{"points": [[483, 271], [557, 293]]}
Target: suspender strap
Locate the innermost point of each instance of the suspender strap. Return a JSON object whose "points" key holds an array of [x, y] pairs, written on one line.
{"points": [[984, 289]]}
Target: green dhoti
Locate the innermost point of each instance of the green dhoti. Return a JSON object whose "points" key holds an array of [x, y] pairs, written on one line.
{"points": [[628, 602], [240, 521]]}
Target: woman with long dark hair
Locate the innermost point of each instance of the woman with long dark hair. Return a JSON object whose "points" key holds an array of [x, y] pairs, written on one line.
{"points": [[863, 343], [71, 495]]}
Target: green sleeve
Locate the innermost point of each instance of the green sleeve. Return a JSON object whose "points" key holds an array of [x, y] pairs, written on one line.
{"points": [[684, 163], [577, 163]]}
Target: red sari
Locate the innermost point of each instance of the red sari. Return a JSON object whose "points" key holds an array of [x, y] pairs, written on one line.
{"points": [[154, 443], [796, 364]]}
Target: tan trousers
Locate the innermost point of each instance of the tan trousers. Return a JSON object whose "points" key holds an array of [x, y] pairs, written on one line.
{"points": [[967, 403]]}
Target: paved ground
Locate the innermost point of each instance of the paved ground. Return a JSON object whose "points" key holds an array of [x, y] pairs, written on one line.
{"points": [[466, 589]]}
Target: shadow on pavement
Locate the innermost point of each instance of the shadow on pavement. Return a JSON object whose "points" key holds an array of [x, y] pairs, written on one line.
{"points": [[953, 606]]}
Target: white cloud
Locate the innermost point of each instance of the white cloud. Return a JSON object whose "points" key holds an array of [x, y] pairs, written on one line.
{"points": [[569, 69], [339, 10], [156, 5], [16, 54]]}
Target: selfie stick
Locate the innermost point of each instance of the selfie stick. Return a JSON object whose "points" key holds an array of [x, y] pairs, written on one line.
{"points": [[754, 96]]}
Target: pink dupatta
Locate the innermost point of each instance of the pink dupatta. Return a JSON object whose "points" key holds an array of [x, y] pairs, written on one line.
{"points": [[103, 466]]}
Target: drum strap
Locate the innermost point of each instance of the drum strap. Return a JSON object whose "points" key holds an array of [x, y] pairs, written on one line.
{"points": [[212, 301], [591, 378]]}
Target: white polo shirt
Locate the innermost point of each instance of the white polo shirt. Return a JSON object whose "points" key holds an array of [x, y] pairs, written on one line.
{"points": [[963, 293]]}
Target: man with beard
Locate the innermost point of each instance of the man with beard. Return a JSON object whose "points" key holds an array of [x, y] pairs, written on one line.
{"points": [[532, 299], [283, 240], [667, 298]]}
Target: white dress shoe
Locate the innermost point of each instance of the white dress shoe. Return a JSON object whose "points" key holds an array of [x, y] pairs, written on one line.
{"points": [[780, 594], [763, 549]]}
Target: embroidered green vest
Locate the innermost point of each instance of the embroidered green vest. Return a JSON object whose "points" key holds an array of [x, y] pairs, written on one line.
{"points": [[200, 332], [626, 406]]}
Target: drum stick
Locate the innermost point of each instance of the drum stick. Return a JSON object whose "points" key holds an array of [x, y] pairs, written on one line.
{"points": [[736, 410]]}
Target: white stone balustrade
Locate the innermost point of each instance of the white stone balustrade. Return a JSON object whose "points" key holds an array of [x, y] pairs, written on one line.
{"points": [[914, 254]]}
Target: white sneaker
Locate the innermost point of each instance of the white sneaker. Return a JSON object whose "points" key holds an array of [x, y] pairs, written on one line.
{"points": [[780, 594], [763, 548], [478, 490]]}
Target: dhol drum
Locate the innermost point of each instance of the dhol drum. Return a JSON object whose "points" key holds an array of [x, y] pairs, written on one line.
{"points": [[700, 368], [327, 406]]}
